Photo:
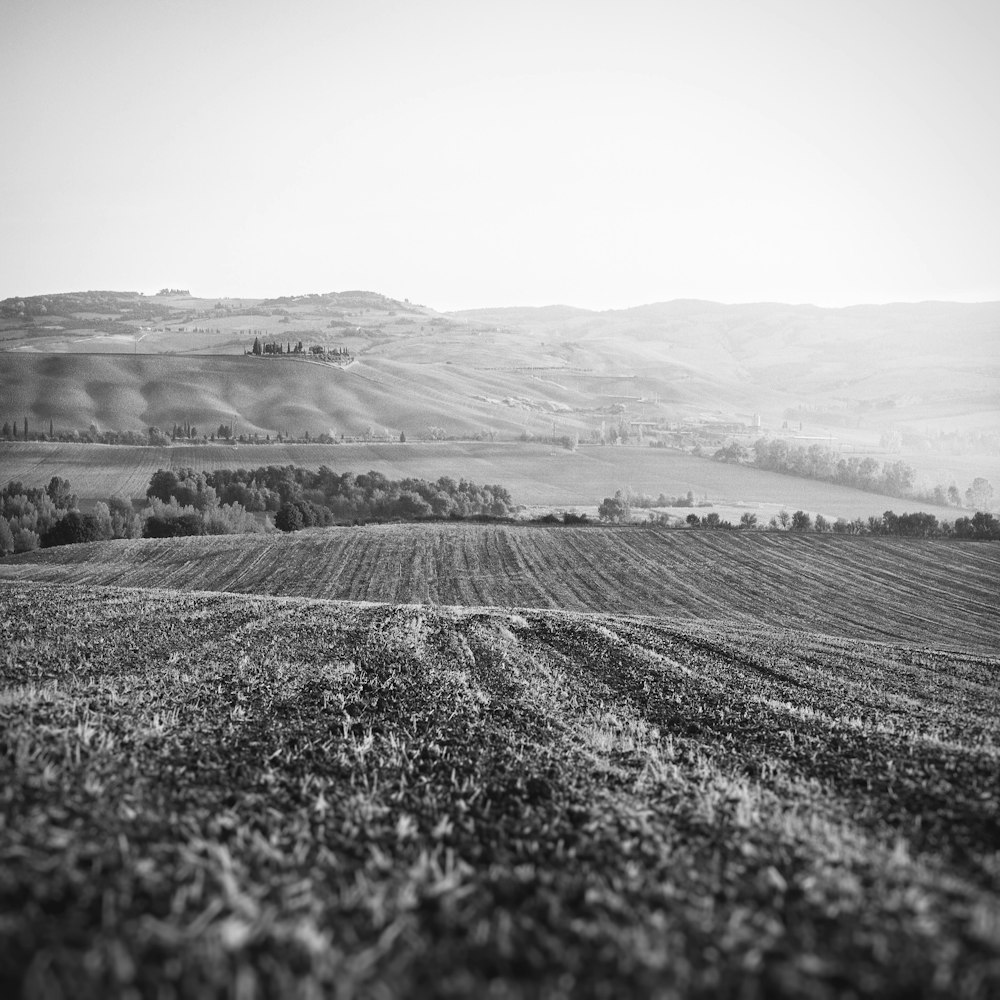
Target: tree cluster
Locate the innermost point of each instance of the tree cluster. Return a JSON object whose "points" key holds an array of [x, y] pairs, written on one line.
{"points": [[564, 517], [22, 431], [816, 462], [618, 509], [982, 526], [33, 517], [304, 498]]}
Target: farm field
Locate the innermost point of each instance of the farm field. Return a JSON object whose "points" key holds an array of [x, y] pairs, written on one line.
{"points": [[257, 796], [935, 592], [536, 475]]}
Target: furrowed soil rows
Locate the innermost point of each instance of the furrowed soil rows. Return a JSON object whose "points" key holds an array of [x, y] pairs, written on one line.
{"points": [[95, 471], [941, 592], [213, 794]]}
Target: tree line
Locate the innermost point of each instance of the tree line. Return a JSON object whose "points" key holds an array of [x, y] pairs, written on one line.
{"points": [[185, 433], [816, 462], [185, 502], [301, 497], [981, 526], [34, 517]]}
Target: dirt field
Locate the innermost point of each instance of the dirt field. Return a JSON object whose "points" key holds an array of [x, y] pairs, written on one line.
{"points": [[930, 592], [264, 797]]}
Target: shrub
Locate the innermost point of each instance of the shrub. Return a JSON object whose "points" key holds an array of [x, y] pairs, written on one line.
{"points": [[230, 519]]}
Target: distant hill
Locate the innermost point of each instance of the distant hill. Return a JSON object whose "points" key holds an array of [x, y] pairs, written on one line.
{"points": [[915, 380]]}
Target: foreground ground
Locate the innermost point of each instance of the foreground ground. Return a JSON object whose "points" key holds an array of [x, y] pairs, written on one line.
{"points": [[218, 795], [926, 591]]}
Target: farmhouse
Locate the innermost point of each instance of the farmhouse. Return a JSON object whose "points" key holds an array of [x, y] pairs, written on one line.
{"points": [[336, 355]]}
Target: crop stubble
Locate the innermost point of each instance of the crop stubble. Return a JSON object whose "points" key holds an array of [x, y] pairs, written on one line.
{"points": [[250, 793]]}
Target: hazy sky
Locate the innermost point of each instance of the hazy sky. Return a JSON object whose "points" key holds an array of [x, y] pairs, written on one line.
{"points": [[472, 153]]}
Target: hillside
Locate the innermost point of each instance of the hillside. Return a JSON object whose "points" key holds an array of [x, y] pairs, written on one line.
{"points": [[217, 795], [918, 381], [930, 592], [256, 395]]}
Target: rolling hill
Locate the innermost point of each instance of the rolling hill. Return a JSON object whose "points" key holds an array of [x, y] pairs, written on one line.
{"points": [[940, 593], [923, 377]]}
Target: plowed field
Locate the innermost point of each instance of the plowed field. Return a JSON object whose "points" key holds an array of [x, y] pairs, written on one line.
{"points": [[938, 592], [219, 795]]}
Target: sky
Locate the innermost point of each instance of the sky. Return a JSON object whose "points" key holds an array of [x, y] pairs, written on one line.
{"points": [[465, 154]]}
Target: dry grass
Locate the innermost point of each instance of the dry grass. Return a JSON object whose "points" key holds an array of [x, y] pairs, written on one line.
{"points": [[230, 796]]}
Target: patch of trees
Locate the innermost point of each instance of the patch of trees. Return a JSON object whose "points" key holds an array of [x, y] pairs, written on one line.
{"points": [[618, 509], [816, 462], [302, 498], [646, 501], [268, 348], [185, 433], [174, 519], [22, 431], [712, 520], [564, 517], [68, 303], [982, 526], [34, 517]]}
